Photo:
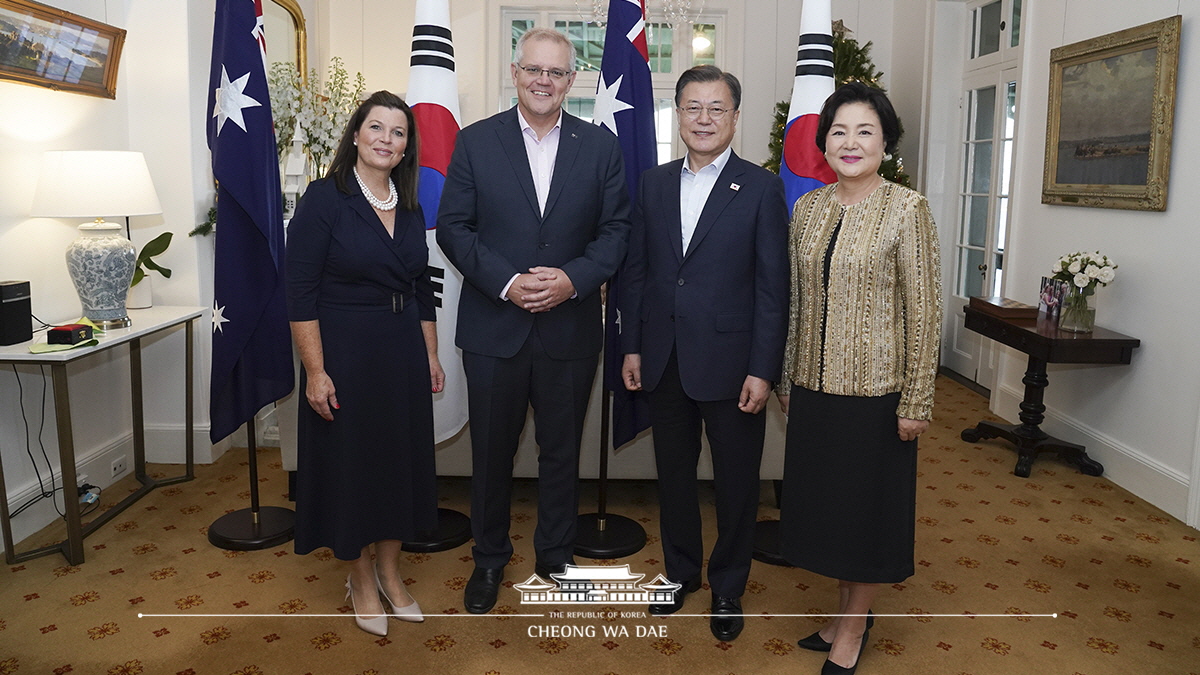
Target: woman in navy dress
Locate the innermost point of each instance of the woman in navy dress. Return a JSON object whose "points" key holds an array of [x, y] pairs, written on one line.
{"points": [[361, 306]]}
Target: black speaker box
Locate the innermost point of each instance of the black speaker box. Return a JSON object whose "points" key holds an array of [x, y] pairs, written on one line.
{"points": [[16, 324]]}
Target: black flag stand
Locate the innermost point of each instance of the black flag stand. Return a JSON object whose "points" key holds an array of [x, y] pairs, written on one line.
{"points": [[453, 530], [603, 535], [255, 528]]}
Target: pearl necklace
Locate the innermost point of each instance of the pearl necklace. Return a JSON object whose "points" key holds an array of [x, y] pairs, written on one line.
{"points": [[392, 199]]}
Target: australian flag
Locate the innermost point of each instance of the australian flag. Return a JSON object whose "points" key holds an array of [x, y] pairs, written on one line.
{"points": [[804, 167], [251, 347], [625, 105]]}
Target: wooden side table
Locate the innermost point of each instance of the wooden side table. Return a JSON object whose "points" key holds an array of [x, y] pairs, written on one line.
{"points": [[146, 322], [1044, 343]]}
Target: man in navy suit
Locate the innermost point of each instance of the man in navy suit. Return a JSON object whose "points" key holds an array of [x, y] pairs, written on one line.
{"points": [[704, 321], [535, 214]]}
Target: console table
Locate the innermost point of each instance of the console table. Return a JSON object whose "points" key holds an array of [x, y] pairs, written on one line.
{"points": [[146, 322], [1044, 343]]}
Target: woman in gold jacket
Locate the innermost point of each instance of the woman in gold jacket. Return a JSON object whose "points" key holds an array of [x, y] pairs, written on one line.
{"points": [[861, 357]]}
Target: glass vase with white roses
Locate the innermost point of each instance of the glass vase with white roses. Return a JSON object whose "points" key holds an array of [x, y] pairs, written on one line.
{"points": [[1083, 272]]}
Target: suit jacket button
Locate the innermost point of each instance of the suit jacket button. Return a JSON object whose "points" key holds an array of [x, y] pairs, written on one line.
{"points": [[681, 282], [543, 245]]}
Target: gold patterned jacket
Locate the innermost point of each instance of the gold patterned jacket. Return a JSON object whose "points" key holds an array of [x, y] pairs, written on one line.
{"points": [[876, 329]]}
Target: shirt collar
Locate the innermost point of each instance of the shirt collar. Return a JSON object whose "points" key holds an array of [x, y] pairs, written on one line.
{"points": [[718, 164], [526, 128]]}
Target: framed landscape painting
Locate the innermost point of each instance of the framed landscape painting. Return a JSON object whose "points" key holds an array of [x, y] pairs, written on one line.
{"points": [[1111, 116], [49, 47]]}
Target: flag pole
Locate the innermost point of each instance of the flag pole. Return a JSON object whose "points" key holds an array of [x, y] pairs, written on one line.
{"points": [[625, 105], [433, 95], [257, 527], [603, 535], [251, 357], [802, 168]]}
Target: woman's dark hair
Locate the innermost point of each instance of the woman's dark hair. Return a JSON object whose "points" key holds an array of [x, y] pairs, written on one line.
{"points": [[857, 92], [404, 174]]}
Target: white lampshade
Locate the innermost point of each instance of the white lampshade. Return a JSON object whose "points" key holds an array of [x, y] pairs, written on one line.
{"points": [[94, 183]]}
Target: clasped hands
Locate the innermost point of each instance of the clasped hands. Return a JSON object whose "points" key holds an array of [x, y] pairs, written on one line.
{"points": [[541, 289]]}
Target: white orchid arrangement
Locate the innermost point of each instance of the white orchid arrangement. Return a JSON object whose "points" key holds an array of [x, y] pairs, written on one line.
{"points": [[312, 112], [1085, 271]]}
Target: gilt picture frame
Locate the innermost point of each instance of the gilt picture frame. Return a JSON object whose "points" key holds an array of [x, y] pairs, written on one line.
{"points": [[53, 48], [1111, 117]]}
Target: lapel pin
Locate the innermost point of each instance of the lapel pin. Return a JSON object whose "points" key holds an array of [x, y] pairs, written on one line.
{"points": [[573, 135], [735, 187]]}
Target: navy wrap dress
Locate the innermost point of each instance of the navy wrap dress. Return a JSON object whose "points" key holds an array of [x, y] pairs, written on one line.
{"points": [[369, 474]]}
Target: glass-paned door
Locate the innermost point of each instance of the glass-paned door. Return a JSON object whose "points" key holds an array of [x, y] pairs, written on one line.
{"points": [[989, 129]]}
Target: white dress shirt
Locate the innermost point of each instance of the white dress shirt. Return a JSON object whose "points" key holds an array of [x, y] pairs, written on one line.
{"points": [[694, 188], [541, 153]]}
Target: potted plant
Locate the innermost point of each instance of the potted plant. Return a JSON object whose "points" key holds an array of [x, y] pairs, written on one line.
{"points": [[140, 288]]}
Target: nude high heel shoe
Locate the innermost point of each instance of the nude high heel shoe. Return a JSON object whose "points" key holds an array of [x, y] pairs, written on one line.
{"points": [[375, 625], [410, 612]]}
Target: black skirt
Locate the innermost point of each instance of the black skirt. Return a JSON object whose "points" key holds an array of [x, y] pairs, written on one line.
{"points": [[849, 488]]}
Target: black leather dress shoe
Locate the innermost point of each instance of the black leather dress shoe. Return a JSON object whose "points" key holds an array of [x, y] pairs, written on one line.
{"points": [[685, 587], [726, 622], [482, 588], [816, 643]]}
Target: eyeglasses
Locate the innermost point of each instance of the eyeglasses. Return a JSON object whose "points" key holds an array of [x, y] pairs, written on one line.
{"points": [[554, 73], [693, 111]]}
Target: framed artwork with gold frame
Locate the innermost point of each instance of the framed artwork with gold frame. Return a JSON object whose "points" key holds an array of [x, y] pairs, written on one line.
{"points": [[1111, 116], [53, 48]]}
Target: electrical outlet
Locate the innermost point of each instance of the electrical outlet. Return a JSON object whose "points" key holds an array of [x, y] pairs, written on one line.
{"points": [[119, 465], [81, 479]]}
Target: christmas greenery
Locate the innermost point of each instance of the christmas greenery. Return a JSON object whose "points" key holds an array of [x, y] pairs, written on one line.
{"points": [[851, 61]]}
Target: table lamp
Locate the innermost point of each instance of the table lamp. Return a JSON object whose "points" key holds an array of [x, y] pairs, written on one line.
{"points": [[97, 183]]}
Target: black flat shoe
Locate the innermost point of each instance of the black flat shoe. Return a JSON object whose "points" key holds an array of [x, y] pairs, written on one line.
{"points": [[685, 587], [482, 588], [831, 668], [726, 622], [817, 643]]}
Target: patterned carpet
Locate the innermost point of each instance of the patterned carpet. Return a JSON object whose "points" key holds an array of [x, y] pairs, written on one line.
{"points": [[1122, 576]]}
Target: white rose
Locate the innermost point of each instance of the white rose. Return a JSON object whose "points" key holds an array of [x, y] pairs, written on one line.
{"points": [[1082, 280], [1092, 271], [1106, 275], [1074, 267]]}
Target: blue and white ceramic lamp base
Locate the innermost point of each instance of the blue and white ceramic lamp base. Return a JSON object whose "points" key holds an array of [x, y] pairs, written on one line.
{"points": [[101, 261]]}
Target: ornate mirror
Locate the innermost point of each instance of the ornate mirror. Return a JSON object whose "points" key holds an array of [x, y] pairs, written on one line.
{"points": [[286, 36]]}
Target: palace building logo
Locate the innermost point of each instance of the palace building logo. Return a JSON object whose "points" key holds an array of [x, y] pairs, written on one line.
{"points": [[596, 584]]}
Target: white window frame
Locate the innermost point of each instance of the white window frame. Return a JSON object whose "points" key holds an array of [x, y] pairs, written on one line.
{"points": [[503, 91], [1007, 51]]}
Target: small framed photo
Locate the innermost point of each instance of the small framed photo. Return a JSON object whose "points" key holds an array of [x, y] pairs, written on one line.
{"points": [[53, 48], [1051, 296]]}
